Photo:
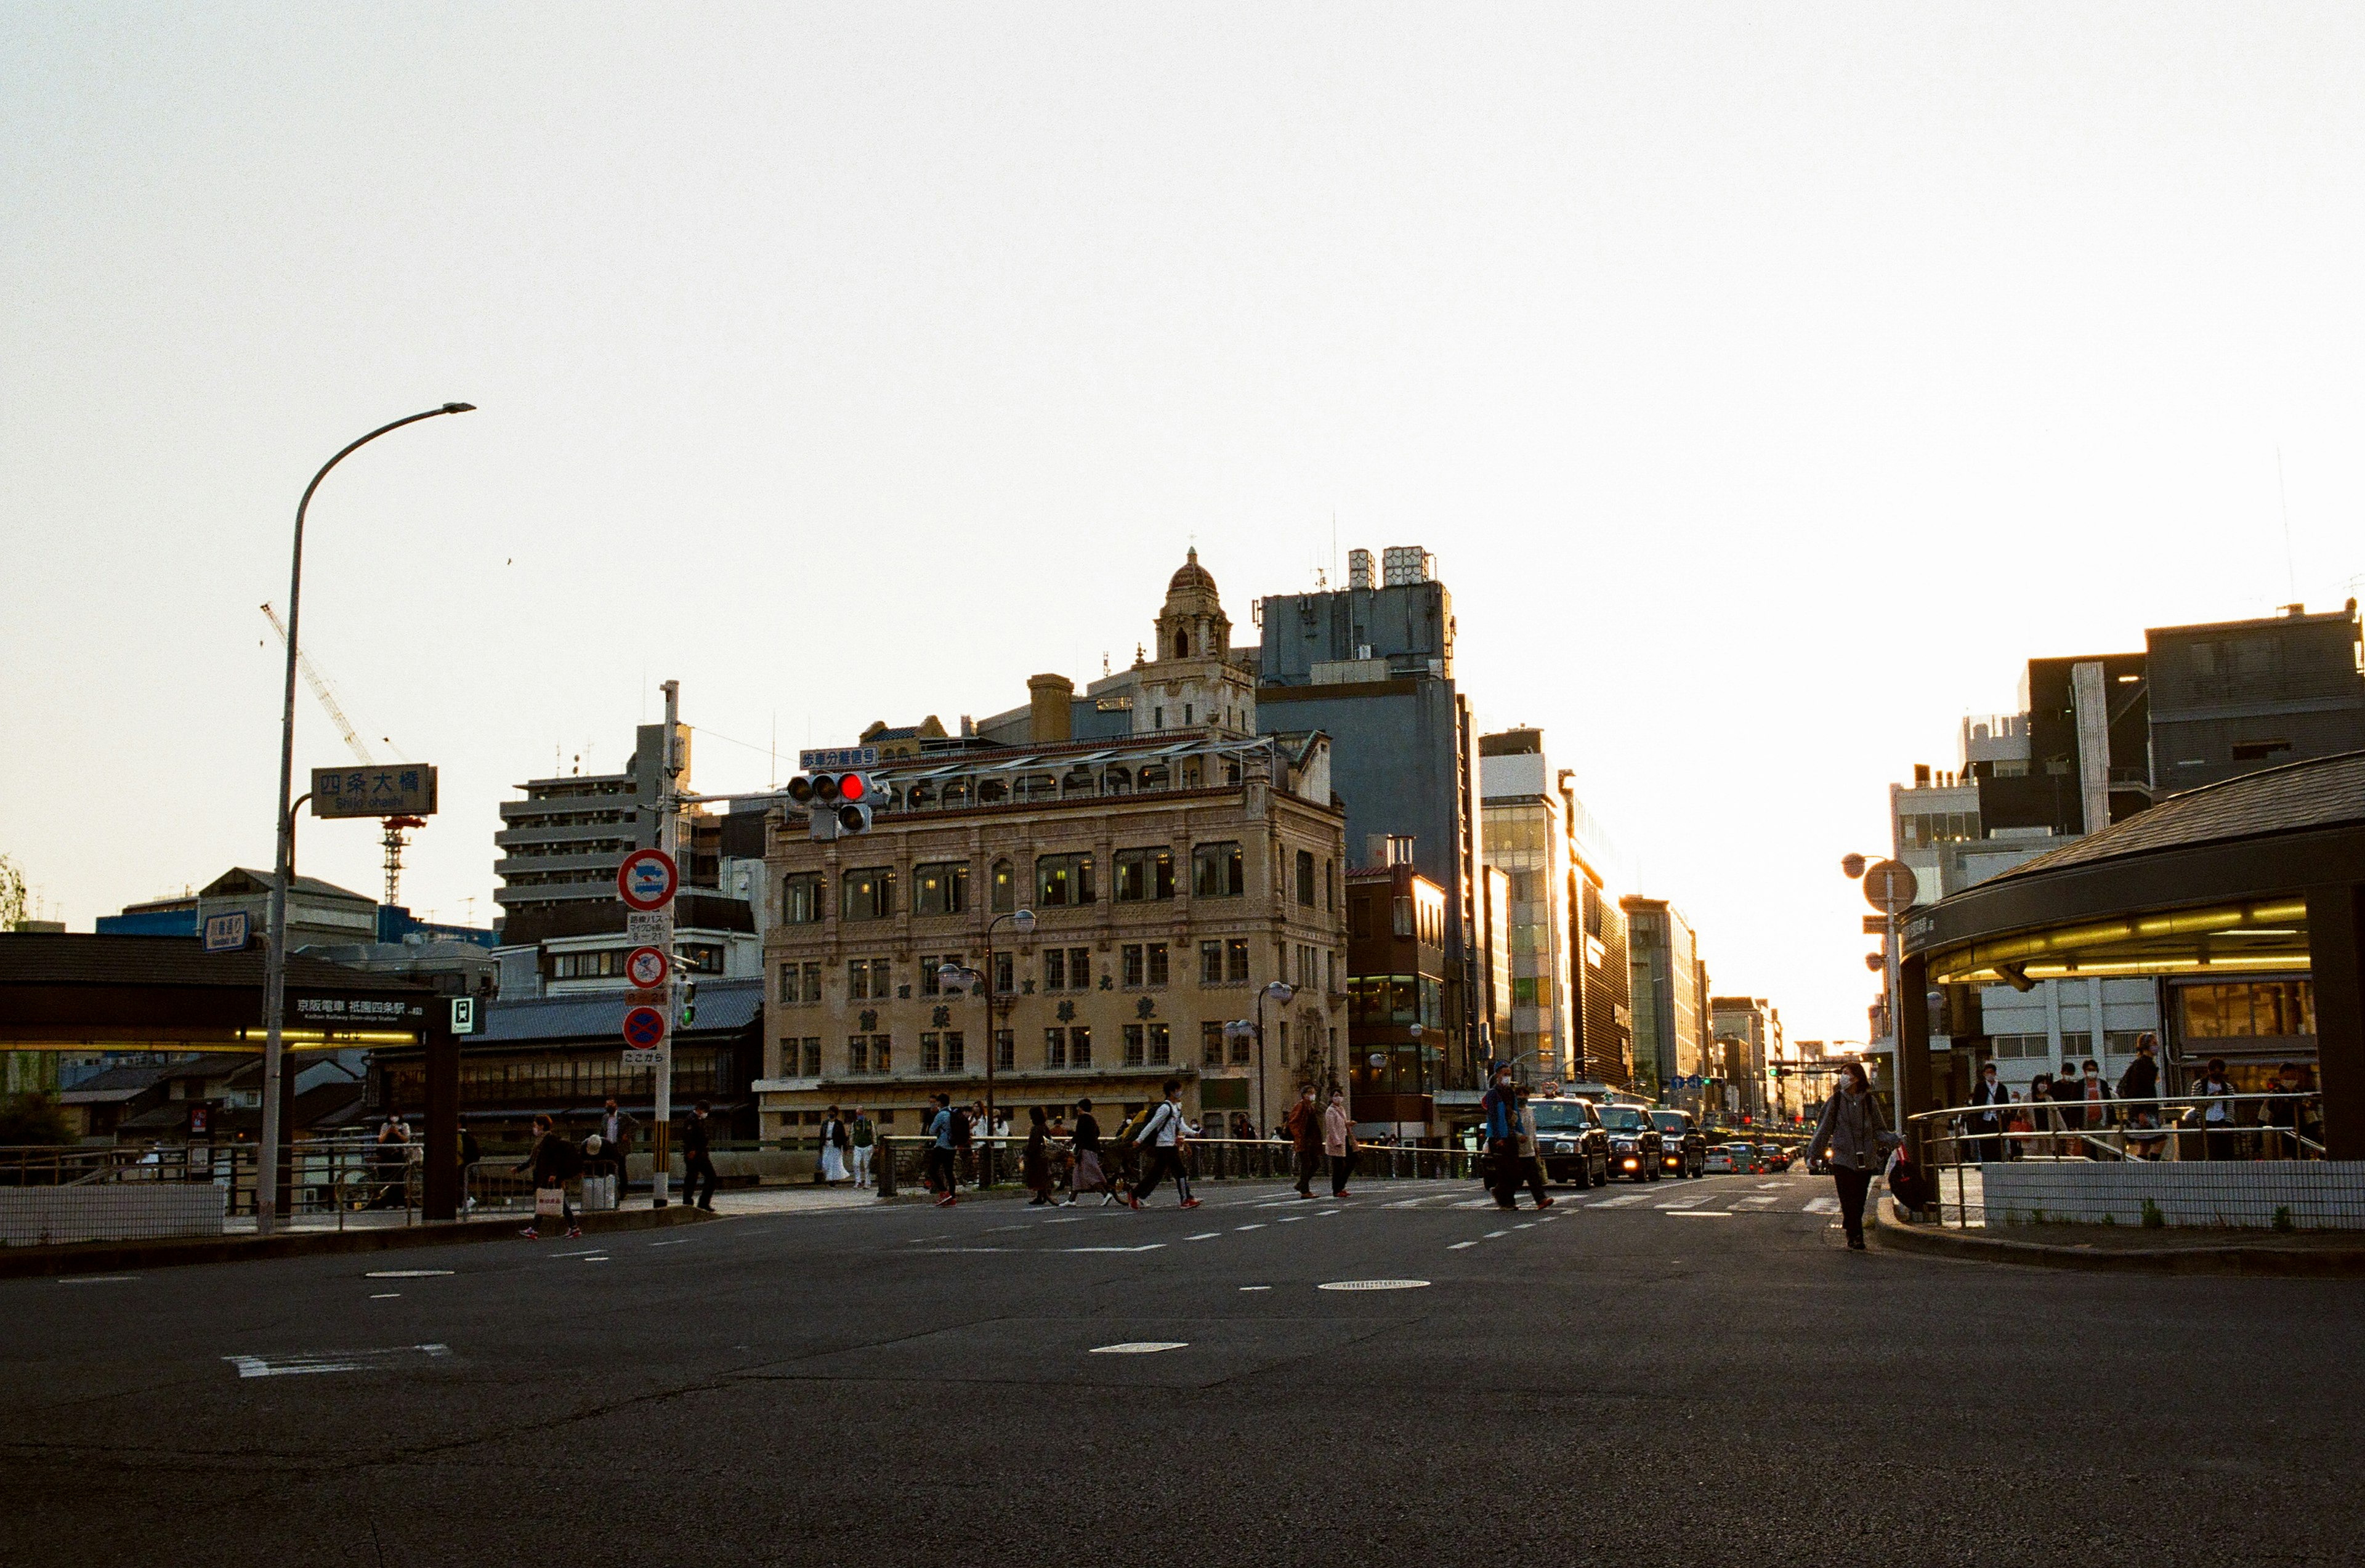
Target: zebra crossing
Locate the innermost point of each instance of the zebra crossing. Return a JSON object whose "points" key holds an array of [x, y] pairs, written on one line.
{"points": [[1690, 1198]]}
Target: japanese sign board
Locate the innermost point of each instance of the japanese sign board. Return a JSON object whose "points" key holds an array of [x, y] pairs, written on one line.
{"points": [[359, 1012], [652, 928], [227, 932], [646, 968], [398, 789], [647, 880], [464, 1014], [644, 1028], [838, 758]]}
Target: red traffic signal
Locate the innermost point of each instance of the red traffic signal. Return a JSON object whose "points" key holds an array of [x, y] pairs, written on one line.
{"points": [[853, 786]]}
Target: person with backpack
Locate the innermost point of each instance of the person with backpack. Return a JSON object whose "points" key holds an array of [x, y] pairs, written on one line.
{"points": [[1160, 1134], [861, 1137], [697, 1161], [943, 1153], [553, 1160], [1851, 1136]]}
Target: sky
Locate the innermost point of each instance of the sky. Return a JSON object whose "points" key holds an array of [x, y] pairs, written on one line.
{"points": [[1771, 383]]}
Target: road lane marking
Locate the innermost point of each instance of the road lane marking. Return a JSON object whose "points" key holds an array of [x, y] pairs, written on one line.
{"points": [[1459, 1245], [405, 1273], [1258, 1225], [954, 1251], [1823, 1205], [1619, 1202], [1548, 1220], [1700, 1213], [1068, 1219], [1140, 1347], [1256, 1287], [386, 1296], [330, 1360], [1492, 1233], [1763, 1185], [1760, 1200], [1293, 1220], [1374, 1285], [1205, 1235], [1150, 1246], [101, 1280], [589, 1252], [683, 1242], [1685, 1203], [1531, 1225], [1326, 1213]]}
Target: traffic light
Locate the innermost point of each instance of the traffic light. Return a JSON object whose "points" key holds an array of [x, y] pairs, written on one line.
{"points": [[840, 804], [688, 1001]]}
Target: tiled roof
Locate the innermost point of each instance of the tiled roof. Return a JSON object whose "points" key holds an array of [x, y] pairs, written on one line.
{"points": [[2326, 791], [723, 1007]]}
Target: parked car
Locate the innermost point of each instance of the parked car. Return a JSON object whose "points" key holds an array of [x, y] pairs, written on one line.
{"points": [[1720, 1162], [1633, 1142], [1683, 1151], [1571, 1141]]}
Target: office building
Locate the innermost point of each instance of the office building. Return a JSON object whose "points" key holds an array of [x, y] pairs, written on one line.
{"points": [[1525, 834], [1748, 1034], [1670, 1002], [1396, 1008]]}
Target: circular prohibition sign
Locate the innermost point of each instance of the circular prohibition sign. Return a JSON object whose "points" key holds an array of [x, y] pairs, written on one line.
{"points": [[647, 968], [644, 1028], [647, 880]]}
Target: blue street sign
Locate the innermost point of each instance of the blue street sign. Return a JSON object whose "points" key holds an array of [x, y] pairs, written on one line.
{"points": [[226, 933]]}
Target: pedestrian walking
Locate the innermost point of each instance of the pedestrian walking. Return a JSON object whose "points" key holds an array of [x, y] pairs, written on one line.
{"points": [[617, 1130], [1850, 1134], [2070, 1110], [1988, 1146], [1338, 1143], [2097, 1096], [943, 1154], [2217, 1134], [697, 1161], [834, 1145], [1499, 1114], [1090, 1175], [470, 1152], [1531, 1158], [387, 1160], [1160, 1135], [2294, 1119], [2040, 1112], [860, 1139], [2140, 1082], [974, 1135], [553, 1160], [1035, 1160], [1304, 1126]]}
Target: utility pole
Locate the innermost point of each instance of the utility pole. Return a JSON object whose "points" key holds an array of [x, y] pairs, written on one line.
{"points": [[668, 776]]}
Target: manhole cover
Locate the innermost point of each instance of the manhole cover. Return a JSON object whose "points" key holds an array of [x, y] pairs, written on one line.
{"points": [[1375, 1285]]}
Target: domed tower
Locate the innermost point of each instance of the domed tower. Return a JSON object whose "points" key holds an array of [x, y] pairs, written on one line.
{"points": [[1191, 682]]}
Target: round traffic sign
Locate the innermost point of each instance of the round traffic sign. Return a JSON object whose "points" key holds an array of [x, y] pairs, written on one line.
{"points": [[646, 968], [647, 880], [644, 1028], [1890, 887]]}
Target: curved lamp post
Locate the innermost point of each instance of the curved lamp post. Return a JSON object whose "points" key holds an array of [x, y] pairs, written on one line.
{"points": [[1281, 994], [274, 965], [960, 978]]}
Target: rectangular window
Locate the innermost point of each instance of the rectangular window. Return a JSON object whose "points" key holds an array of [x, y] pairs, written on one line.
{"points": [[812, 1055], [1244, 1046], [1080, 1046], [1216, 871], [812, 983], [1062, 880], [1403, 917], [955, 1051], [1306, 878], [857, 1053], [1211, 1044], [1055, 1047], [1329, 884], [870, 893], [940, 887], [1135, 972], [1236, 959], [790, 991], [931, 1054], [1136, 1049], [1006, 1050], [1055, 969], [1079, 969], [882, 1053], [1162, 1045], [857, 979], [928, 967], [1156, 963], [1211, 963], [1144, 875], [1304, 966], [1005, 973], [1006, 888], [1330, 972], [801, 898]]}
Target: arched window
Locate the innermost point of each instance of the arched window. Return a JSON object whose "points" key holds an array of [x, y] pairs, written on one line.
{"points": [[956, 793], [1182, 645], [919, 797], [1115, 781], [991, 792], [1079, 781], [1152, 777]]}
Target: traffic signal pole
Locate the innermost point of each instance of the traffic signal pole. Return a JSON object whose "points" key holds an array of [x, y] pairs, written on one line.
{"points": [[668, 776]]}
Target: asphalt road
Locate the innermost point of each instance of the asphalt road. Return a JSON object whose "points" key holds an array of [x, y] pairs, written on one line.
{"points": [[1635, 1384]]}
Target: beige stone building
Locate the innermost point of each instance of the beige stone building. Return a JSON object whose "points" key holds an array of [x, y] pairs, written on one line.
{"points": [[1174, 871]]}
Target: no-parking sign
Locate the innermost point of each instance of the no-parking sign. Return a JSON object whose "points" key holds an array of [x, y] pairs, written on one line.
{"points": [[644, 1028], [646, 968], [647, 880]]}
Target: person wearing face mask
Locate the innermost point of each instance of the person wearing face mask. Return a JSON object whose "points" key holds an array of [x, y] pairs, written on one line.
{"points": [[1989, 1145], [2097, 1096], [1500, 1115], [1850, 1133]]}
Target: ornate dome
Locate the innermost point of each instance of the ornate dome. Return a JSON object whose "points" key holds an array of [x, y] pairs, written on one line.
{"points": [[1191, 577]]}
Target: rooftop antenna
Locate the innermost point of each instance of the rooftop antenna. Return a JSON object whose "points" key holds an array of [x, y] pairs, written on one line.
{"points": [[2290, 569]]}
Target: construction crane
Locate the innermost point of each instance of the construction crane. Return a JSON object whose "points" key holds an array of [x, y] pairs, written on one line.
{"points": [[397, 829]]}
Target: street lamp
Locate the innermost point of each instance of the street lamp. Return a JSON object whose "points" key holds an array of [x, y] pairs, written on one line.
{"points": [[274, 963], [960, 978], [1278, 992]]}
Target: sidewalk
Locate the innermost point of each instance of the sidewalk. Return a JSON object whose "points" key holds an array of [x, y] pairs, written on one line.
{"points": [[2171, 1249]]}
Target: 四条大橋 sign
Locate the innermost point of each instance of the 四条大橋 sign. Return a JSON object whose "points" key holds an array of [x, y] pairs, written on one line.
{"points": [[402, 790]]}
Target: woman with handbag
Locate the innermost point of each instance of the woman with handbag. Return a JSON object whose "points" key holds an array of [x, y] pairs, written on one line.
{"points": [[1851, 1136], [1338, 1143], [552, 1160], [1035, 1160]]}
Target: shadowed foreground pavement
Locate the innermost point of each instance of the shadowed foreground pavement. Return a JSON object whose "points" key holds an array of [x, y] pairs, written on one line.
{"points": [[1632, 1385]]}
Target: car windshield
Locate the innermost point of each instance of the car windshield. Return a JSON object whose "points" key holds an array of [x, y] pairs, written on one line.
{"points": [[1669, 1121], [1623, 1119], [1557, 1115]]}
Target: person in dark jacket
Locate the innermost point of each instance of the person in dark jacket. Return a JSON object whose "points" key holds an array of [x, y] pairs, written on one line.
{"points": [[1988, 1146], [698, 1159], [1088, 1174], [1305, 1137], [1035, 1160], [1498, 1115], [1851, 1136], [2141, 1082], [2069, 1108], [553, 1160]]}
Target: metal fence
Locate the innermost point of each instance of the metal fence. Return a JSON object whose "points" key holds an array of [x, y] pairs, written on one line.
{"points": [[2242, 1159], [902, 1163]]}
